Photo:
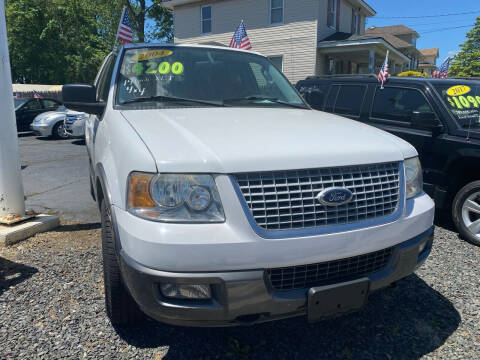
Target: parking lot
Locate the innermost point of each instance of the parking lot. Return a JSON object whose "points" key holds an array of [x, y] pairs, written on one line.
{"points": [[51, 294]]}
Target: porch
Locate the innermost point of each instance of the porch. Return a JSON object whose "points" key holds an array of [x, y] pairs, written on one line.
{"points": [[358, 57]]}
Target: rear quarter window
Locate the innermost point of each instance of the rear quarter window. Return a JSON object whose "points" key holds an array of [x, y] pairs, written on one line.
{"points": [[314, 94]]}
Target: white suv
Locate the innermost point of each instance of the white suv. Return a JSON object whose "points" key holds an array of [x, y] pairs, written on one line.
{"points": [[226, 200]]}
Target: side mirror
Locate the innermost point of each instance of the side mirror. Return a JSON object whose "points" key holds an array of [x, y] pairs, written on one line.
{"points": [[425, 120], [83, 98]]}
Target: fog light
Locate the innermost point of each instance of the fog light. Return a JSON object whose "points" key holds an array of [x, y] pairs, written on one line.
{"points": [[422, 247], [186, 291]]}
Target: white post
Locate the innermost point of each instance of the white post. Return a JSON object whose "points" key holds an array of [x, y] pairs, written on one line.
{"points": [[12, 203]]}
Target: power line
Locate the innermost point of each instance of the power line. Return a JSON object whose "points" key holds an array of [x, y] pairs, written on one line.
{"points": [[426, 16], [435, 23], [447, 28]]}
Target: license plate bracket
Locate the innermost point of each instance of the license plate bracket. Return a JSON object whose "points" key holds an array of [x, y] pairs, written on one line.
{"points": [[330, 300]]}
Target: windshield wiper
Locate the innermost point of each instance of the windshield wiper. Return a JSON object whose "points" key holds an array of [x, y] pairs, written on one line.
{"points": [[266, 98], [171, 98]]}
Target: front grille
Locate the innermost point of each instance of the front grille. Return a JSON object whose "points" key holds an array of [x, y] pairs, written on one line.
{"points": [[327, 273], [282, 200]]}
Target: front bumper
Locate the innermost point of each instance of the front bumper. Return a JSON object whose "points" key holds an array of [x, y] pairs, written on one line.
{"points": [[75, 129], [246, 297], [41, 129]]}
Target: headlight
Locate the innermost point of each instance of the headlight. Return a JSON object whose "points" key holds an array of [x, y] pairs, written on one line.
{"points": [[174, 198], [77, 117], [413, 177]]}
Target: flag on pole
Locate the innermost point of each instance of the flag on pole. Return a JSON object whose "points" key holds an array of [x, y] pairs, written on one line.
{"points": [[383, 75], [36, 95], [240, 38], [442, 71], [124, 31]]}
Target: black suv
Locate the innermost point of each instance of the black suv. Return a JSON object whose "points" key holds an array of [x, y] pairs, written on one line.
{"points": [[440, 117]]}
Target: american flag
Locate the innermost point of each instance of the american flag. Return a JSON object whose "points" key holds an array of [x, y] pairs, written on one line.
{"points": [[36, 95], [240, 38], [124, 32], [383, 75], [442, 71]]}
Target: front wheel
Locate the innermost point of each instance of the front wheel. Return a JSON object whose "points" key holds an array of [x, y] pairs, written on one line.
{"points": [[120, 307], [58, 131], [466, 212]]}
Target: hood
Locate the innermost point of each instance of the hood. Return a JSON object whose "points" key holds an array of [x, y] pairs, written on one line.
{"points": [[232, 140], [48, 115]]}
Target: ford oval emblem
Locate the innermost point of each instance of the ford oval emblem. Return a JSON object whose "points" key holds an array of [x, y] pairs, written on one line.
{"points": [[335, 196]]}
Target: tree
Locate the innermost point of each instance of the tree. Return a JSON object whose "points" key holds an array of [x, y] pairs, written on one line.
{"points": [[62, 41], [467, 61], [141, 11]]}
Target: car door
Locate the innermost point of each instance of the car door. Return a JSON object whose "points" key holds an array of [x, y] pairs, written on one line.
{"points": [[27, 113], [102, 84], [392, 109]]}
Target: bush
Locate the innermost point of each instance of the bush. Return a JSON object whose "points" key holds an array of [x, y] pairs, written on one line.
{"points": [[411, 73]]}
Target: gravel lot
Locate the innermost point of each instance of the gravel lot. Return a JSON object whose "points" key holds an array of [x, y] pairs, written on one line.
{"points": [[51, 306]]}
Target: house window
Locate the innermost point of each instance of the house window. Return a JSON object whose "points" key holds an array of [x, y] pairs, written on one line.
{"points": [[332, 13], [276, 11], [277, 61], [206, 19], [355, 23]]}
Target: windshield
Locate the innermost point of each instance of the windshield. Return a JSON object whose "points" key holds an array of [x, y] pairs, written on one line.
{"points": [[188, 76], [18, 102], [463, 101]]}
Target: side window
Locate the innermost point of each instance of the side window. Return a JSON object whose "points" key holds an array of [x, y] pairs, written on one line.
{"points": [[314, 94], [206, 19], [398, 104], [103, 86], [50, 104], [332, 97], [350, 100], [33, 105]]}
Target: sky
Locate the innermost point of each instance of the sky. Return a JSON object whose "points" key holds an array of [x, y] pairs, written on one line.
{"points": [[434, 30]]}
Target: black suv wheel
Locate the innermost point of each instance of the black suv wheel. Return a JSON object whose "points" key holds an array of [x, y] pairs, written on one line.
{"points": [[120, 307], [466, 212]]}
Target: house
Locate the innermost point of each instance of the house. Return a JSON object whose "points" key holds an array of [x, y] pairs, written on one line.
{"points": [[429, 65], [301, 37]]}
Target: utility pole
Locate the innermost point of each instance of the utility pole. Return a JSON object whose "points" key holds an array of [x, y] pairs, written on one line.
{"points": [[15, 225], [12, 203]]}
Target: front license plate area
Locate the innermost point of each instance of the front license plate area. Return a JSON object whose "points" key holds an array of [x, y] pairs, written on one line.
{"points": [[326, 301]]}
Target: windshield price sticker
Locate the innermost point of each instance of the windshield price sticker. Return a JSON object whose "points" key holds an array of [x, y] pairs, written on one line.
{"points": [[458, 98], [152, 67], [152, 54]]}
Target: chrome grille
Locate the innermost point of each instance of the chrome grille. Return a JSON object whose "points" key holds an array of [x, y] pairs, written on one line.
{"points": [[330, 272], [282, 200]]}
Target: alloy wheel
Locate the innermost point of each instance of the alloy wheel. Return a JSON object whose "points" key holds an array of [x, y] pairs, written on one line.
{"points": [[471, 214]]}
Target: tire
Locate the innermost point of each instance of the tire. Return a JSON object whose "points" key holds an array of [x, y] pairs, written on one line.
{"points": [[120, 307], [466, 212], [58, 131]]}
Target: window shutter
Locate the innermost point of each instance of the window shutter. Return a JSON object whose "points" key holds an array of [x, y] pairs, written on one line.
{"points": [[338, 15], [329, 6]]}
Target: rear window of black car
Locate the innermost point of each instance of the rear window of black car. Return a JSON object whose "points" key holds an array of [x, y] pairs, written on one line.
{"points": [[350, 100], [314, 94]]}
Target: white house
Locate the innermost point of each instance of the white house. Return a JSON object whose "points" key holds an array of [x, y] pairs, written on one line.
{"points": [[302, 37]]}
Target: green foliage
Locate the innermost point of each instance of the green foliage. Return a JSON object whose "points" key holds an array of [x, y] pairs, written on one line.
{"points": [[411, 73], [467, 61], [62, 41]]}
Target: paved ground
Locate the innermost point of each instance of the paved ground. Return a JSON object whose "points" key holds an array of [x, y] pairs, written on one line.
{"points": [[55, 178], [51, 307]]}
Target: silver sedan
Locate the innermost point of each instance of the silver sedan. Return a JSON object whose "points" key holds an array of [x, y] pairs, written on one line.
{"points": [[52, 123]]}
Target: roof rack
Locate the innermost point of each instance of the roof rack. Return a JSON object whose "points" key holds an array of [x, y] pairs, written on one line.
{"points": [[340, 76]]}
